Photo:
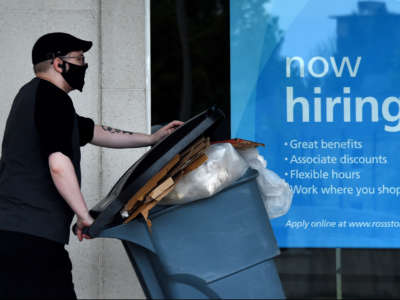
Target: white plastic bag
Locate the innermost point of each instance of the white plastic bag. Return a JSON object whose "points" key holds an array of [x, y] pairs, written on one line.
{"points": [[223, 166], [274, 191], [253, 158]]}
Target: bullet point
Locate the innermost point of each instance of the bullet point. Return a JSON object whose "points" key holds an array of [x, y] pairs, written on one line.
{"points": [[286, 173], [285, 158], [285, 143]]}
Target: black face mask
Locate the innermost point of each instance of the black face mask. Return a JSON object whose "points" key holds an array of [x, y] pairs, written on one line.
{"points": [[75, 76]]}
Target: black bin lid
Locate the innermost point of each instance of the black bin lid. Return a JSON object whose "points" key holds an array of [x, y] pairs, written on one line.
{"points": [[107, 211]]}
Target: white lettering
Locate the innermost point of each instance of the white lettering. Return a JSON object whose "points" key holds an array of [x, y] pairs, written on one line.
{"points": [[311, 66]]}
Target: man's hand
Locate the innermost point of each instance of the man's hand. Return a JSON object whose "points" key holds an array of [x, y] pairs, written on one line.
{"points": [[81, 223], [164, 131]]}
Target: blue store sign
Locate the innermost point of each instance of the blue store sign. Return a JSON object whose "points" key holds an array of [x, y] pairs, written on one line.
{"points": [[318, 82]]}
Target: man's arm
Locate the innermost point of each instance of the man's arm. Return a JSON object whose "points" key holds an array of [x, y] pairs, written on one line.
{"points": [[63, 174], [106, 136]]}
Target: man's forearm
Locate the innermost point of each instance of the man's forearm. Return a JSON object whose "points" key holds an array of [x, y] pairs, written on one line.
{"points": [[109, 137], [63, 174]]}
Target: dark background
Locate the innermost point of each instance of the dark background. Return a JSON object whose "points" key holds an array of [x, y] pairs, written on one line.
{"points": [[189, 60]]}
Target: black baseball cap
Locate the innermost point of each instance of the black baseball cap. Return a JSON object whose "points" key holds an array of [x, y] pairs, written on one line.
{"points": [[57, 44]]}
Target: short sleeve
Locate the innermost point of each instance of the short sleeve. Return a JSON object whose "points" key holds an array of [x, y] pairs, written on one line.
{"points": [[54, 119], [86, 130]]}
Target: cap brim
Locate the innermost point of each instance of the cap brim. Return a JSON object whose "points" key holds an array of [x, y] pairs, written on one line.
{"points": [[85, 45]]}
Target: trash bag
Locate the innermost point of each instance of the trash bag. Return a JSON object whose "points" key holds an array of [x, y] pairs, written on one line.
{"points": [[223, 166], [275, 191], [253, 158]]}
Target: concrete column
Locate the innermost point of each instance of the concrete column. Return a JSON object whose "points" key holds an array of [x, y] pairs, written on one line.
{"points": [[123, 90], [116, 93]]}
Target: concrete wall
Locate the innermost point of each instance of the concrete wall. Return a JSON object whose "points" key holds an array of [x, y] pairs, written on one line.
{"points": [[116, 94]]}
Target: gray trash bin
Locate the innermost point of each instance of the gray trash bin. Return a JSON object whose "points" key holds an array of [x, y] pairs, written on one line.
{"points": [[219, 247]]}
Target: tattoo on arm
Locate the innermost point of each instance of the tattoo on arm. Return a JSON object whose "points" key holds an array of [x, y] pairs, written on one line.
{"points": [[113, 130]]}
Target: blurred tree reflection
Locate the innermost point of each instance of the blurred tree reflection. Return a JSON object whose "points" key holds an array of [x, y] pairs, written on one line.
{"points": [[248, 20], [205, 43]]}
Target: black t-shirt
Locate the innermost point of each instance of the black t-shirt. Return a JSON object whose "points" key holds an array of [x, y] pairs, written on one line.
{"points": [[54, 119], [42, 120]]}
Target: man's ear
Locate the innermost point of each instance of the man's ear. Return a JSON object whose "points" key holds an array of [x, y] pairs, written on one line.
{"points": [[58, 65]]}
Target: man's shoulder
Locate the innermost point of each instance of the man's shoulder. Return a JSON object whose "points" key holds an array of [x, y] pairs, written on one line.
{"points": [[47, 88], [52, 97], [30, 86]]}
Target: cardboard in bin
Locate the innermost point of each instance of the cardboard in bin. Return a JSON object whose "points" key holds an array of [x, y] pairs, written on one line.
{"points": [[107, 211]]}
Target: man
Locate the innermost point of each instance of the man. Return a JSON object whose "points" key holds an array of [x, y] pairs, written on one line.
{"points": [[40, 171]]}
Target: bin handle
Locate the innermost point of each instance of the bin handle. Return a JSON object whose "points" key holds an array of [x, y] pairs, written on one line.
{"points": [[196, 282], [131, 232]]}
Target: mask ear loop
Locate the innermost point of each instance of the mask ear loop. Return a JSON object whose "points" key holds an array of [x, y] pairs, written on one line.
{"points": [[63, 67]]}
